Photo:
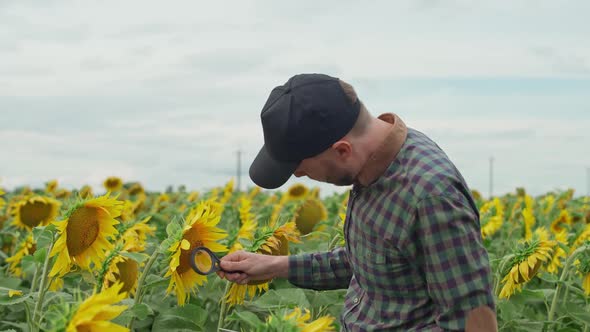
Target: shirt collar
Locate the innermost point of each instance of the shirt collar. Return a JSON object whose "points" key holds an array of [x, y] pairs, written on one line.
{"points": [[380, 159]]}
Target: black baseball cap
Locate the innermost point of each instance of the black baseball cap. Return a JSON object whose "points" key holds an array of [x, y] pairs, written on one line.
{"points": [[301, 119]]}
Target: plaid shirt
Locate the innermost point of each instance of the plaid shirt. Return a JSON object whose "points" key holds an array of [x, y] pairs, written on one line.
{"points": [[414, 258]]}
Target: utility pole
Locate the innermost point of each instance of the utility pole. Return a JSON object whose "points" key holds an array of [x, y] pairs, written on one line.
{"points": [[239, 169], [491, 177], [588, 181]]}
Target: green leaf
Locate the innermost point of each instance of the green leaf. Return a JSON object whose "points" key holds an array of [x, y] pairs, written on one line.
{"points": [[28, 265], [187, 318], [57, 297], [291, 297], [154, 280], [140, 310], [8, 282], [40, 255], [249, 318], [563, 246], [527, 297], [573, 310], [6, 300], [568, 329], [173, 228], [548, 277], [43, 235], [136, 256]]}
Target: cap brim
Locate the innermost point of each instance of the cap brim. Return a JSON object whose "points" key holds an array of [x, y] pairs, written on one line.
{"points": [[269, 173]]}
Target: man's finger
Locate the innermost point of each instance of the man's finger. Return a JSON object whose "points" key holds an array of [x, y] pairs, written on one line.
{"points": [[234, 277], [229, 266], [235, 256]]}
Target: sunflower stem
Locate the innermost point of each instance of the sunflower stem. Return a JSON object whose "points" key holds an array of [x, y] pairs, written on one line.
{"points": [[42, 289], [562, 279], [223, 309], [35, 279], [28, 314], [138, 293]]}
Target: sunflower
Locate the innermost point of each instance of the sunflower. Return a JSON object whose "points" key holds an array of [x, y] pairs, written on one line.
{"points": [[559, 253], [476, 195], [581, 238], [299, 321], [2, 202], [95, 313], [586, 284], [583, 264], [525, 264], [227, 192], [309, 214], [51, 186], [529, 222], [34, 211], [62, 194], [253, 192], [295, 192], [315, 192], [138, 232], [199, 230], [135, 189], [123, 270], [56, 284], [161, 202], [268, 241], [494, 222], [247, 227], [564, 218], [85, 192], [83, 235], [565, 198], [113, 183], [25, 248], [549, 202], [193, 196]]}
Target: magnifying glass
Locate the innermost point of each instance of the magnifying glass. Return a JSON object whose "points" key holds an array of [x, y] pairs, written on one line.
{"points": [[204, 261]]}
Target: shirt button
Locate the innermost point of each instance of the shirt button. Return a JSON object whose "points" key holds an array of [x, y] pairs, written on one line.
{"points": [[356, 300]]}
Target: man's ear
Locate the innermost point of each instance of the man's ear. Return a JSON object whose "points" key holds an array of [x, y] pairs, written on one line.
{"points": [[343, 149]]}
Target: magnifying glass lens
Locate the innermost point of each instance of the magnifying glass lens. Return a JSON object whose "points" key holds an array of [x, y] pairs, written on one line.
{"points": [[203, 261]]}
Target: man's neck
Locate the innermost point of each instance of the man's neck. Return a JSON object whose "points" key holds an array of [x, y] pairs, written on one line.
{"points": [[388, 133]]}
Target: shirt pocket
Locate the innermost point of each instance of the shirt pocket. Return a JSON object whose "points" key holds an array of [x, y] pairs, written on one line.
{"points": [[386, 271]]}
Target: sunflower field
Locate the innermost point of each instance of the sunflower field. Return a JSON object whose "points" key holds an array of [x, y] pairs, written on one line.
{"points": [[119, 261]]}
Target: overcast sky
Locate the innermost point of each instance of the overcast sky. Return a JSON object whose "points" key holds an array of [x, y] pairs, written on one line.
{"points": [[167, 92]]}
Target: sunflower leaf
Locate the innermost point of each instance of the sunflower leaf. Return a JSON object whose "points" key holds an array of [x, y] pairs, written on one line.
{"points": [[43, 235], [40, 255], [189, 317], [573, 310], [140, 310], [5, 299], [136, 256], [247, 317], [173, 228]]}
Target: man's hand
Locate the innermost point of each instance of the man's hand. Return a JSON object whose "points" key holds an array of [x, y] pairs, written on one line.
{"points": [[481, 319], [242, 267]]}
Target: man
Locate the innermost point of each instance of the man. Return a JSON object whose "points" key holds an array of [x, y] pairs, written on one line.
{"points": [[414, 258]]}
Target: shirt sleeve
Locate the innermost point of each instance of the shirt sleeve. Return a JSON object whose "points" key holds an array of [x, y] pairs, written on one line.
{"points": [[456, 266], [321, 271]]}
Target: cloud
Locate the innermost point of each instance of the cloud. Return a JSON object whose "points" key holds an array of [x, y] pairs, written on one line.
{"points": [[168, 93]]}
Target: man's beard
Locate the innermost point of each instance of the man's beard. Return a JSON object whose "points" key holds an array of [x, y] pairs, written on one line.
{"points": [[343, 180]]}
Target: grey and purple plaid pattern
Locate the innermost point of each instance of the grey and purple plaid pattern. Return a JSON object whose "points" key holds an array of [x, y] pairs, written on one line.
{"points": [[414, 258]]}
